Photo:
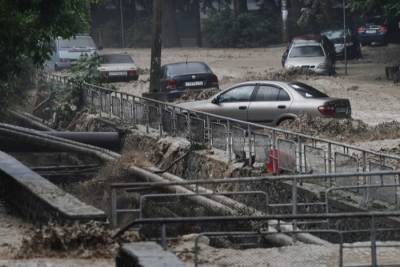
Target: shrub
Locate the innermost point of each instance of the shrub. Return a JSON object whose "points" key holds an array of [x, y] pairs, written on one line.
{"points": [[223, 29]]}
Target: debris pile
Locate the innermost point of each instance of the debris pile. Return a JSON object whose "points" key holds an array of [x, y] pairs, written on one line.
{"points": [[348, 130], [197, 94], [90, 240]]}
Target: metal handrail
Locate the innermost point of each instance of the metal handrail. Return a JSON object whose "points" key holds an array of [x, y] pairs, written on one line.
{"points": [[283, 131]]}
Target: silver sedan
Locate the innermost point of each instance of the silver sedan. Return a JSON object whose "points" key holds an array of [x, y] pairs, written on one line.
{"points": [[272, 102]]}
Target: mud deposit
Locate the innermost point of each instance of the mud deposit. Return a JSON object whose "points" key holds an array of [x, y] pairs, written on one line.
{"points": [[346, 130]]}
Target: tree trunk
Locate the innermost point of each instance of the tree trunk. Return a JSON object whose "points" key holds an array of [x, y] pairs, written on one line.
{"points": [[239, 7], [284, 11], [196, 13], [170, 36], [155, 65]]}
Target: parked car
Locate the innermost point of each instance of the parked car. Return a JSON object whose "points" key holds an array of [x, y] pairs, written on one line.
{"points": [[311, 38], [375, 30], [336, 36], [178, 77], [272, 102], [68, 50], [117, 67], [310, 56]]}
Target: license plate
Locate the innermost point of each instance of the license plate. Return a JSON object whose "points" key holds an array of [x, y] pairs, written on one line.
{"points": [[197, 83], [341, 110], [117, 73], [371, 31]]}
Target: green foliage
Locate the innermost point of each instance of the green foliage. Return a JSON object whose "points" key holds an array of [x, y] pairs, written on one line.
{"points": [[86, 70], [390, 7], [26, 34], [223, 29]]}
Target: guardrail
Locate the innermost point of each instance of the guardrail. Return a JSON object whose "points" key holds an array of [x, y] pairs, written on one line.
{"points": [[285, 150]]}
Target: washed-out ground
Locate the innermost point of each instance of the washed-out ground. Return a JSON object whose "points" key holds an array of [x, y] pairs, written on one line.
{"points": [[298, 255]]}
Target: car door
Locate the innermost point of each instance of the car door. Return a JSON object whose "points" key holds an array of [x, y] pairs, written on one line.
{"points": [[234, 102], [268, 103]]}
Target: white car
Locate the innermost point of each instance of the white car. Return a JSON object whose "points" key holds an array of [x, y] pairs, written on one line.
{"points": [[67, 51], [117, 67]]}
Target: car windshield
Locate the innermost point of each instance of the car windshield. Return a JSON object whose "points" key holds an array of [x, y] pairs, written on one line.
{"points": [[307, 91], [77, 42], [336, 34], [307, 51], [187, 68], [112, 59]]}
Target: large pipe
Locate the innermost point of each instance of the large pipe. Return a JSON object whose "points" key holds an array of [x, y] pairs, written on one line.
{"points": [[108, 140]]}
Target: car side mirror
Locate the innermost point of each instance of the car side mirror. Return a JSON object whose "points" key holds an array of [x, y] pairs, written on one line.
{"points": [[215, 100]]}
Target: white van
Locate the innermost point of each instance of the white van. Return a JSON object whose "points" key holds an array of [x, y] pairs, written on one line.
{"points": [[68, 50]]}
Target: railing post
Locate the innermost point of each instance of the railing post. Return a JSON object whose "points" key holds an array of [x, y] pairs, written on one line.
{"points": [[329, 158], [299, 148], [161, 107], [229, 139], [374, 261], [147, 111], [189, 128], [114, 219], [164, 236], [273, 149], [208, 122], [341, 250], [294, 202], [250, 143], [121, 104]]}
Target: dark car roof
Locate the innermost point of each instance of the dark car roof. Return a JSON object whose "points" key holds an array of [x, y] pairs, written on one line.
{"points": [[184, 62], [315, 37]]}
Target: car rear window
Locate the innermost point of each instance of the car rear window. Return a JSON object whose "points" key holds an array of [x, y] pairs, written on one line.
{"points": [[77, 42], [307, 51], [307, 91], [110, 59], [187, 68]]}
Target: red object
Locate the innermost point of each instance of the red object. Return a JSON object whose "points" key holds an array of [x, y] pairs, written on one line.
{"points": [[361, 29], [327, 110], [383, 29], [171, 84], [273, 161]]}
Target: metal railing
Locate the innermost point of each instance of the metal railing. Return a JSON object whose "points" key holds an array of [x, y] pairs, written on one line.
{"points": [[276, 189], [261, 221], [286, 150]]}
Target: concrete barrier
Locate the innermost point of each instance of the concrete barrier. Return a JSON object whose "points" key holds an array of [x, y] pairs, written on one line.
{"points": [[38, 199]]}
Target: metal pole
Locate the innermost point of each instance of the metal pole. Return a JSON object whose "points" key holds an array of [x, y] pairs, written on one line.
{"points": [[122, 24], [114, 207], [374, 261], [344, 37]]}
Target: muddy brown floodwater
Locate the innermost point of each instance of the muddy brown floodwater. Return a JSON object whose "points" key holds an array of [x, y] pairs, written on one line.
{"points": [[374, 99]]}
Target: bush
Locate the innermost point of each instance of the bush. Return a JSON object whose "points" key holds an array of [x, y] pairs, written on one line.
{"points": [[223, 29]]}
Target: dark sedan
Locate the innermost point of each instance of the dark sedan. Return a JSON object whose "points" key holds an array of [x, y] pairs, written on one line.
{"points": [[176, 78], [336, 36], [375, 30]]}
